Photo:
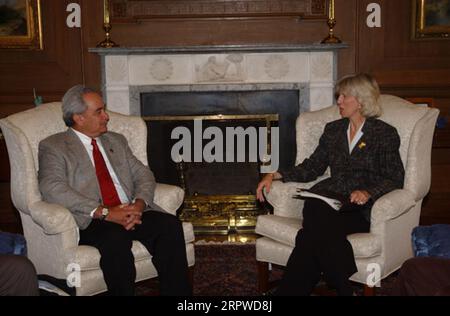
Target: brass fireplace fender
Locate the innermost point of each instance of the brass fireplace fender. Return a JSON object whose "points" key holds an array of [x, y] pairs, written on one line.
{"points": [[218, 117], [220, 214]]}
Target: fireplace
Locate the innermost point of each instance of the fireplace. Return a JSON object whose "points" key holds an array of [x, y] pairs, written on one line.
{"points": [[172, 86], [220, 193]]}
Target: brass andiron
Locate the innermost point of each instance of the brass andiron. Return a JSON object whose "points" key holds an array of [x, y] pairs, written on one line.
{"points": [[107, 42], [331, 38], [181, 169]]}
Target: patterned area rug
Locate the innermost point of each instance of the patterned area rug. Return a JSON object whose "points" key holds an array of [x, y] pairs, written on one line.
{"points": [[230, 269], [225, 270]]}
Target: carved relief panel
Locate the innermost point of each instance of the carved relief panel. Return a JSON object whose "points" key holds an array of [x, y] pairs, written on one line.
{"points": [[134, 10]]}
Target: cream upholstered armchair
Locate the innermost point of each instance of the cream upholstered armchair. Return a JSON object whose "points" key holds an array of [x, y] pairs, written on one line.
{"points": [[394, 215], [50, 230]]}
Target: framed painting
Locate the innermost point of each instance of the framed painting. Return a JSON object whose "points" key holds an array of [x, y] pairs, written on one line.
{"points": [[20, 24], [431, 19]]}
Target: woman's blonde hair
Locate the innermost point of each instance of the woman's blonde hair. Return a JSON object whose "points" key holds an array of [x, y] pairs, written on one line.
{"points": [[366, 91]]}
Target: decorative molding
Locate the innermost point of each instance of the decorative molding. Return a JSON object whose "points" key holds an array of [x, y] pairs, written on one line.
{"points": [[161, 69], [321, 96], [134, 10], [276, 66], [117, 69], [118, 101], [136, 92], [321, 67], [221, 69], [219, 49]]}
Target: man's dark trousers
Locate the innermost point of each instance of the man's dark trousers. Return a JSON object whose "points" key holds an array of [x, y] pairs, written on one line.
{"points": [[160, 233]]}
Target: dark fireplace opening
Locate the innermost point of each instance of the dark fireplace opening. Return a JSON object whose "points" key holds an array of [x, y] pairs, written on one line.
{"points": [[285, 103], [221, 178], [226, 188], [205, 178]]}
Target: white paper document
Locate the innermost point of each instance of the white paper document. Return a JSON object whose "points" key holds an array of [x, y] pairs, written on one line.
{"points": [[335, 204]]}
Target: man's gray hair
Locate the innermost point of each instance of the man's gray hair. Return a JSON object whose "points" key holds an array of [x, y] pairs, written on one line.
{"points": [[73, 103]]}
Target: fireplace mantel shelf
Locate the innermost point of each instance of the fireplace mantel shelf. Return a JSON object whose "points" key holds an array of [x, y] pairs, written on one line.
{"points": [[313, 47]]}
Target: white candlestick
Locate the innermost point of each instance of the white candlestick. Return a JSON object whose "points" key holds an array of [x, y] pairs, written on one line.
{"points": [[106, 11], [331, 10]]}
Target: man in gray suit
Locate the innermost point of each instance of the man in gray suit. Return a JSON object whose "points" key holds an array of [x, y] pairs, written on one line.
{"points": [[94, 174]]}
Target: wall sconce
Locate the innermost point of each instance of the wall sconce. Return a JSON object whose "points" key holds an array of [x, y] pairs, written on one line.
{"points": [[331, 38], [107, 42]]}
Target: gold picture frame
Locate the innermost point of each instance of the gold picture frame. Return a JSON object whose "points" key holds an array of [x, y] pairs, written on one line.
{"points": [[20, 24], [431, 19]]}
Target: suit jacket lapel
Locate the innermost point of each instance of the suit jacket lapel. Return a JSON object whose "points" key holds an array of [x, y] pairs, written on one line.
{"points": [[78, 150], [362, 143], [76, 146], [343, 140]]}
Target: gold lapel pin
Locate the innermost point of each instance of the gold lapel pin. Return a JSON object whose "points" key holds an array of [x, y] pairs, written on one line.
{"points": [[362, 145]]}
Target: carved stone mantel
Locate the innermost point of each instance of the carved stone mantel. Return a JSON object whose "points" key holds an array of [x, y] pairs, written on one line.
{"points": [[309, 68]]}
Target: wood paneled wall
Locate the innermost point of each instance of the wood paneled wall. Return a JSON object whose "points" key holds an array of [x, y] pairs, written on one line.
{"points": [[403, 67], [50, 70], [411, 68]]}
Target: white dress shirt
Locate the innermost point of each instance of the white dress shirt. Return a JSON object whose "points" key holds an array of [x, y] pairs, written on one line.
{"points": [[86, 141], [356, 138]]}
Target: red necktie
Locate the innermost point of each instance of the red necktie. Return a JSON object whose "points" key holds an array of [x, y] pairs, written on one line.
{"points": [[107, 188]]}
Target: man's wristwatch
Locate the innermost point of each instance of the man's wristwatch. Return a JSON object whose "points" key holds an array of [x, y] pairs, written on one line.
{"points": [[105, 212]]}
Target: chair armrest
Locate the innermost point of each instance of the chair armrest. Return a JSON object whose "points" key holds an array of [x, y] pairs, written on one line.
{"points": [[53, 218], [280, 197], [392, 205], [169, 197]]}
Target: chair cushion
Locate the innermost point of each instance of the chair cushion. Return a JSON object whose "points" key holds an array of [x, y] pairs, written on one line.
{"points": [[365, 245], [279, 228], [269, 250], [284, 230], [431, 241], [89, 258]]}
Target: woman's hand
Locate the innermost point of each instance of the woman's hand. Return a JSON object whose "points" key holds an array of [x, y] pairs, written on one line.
{"points": [[359, 197], [266, 182]]}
